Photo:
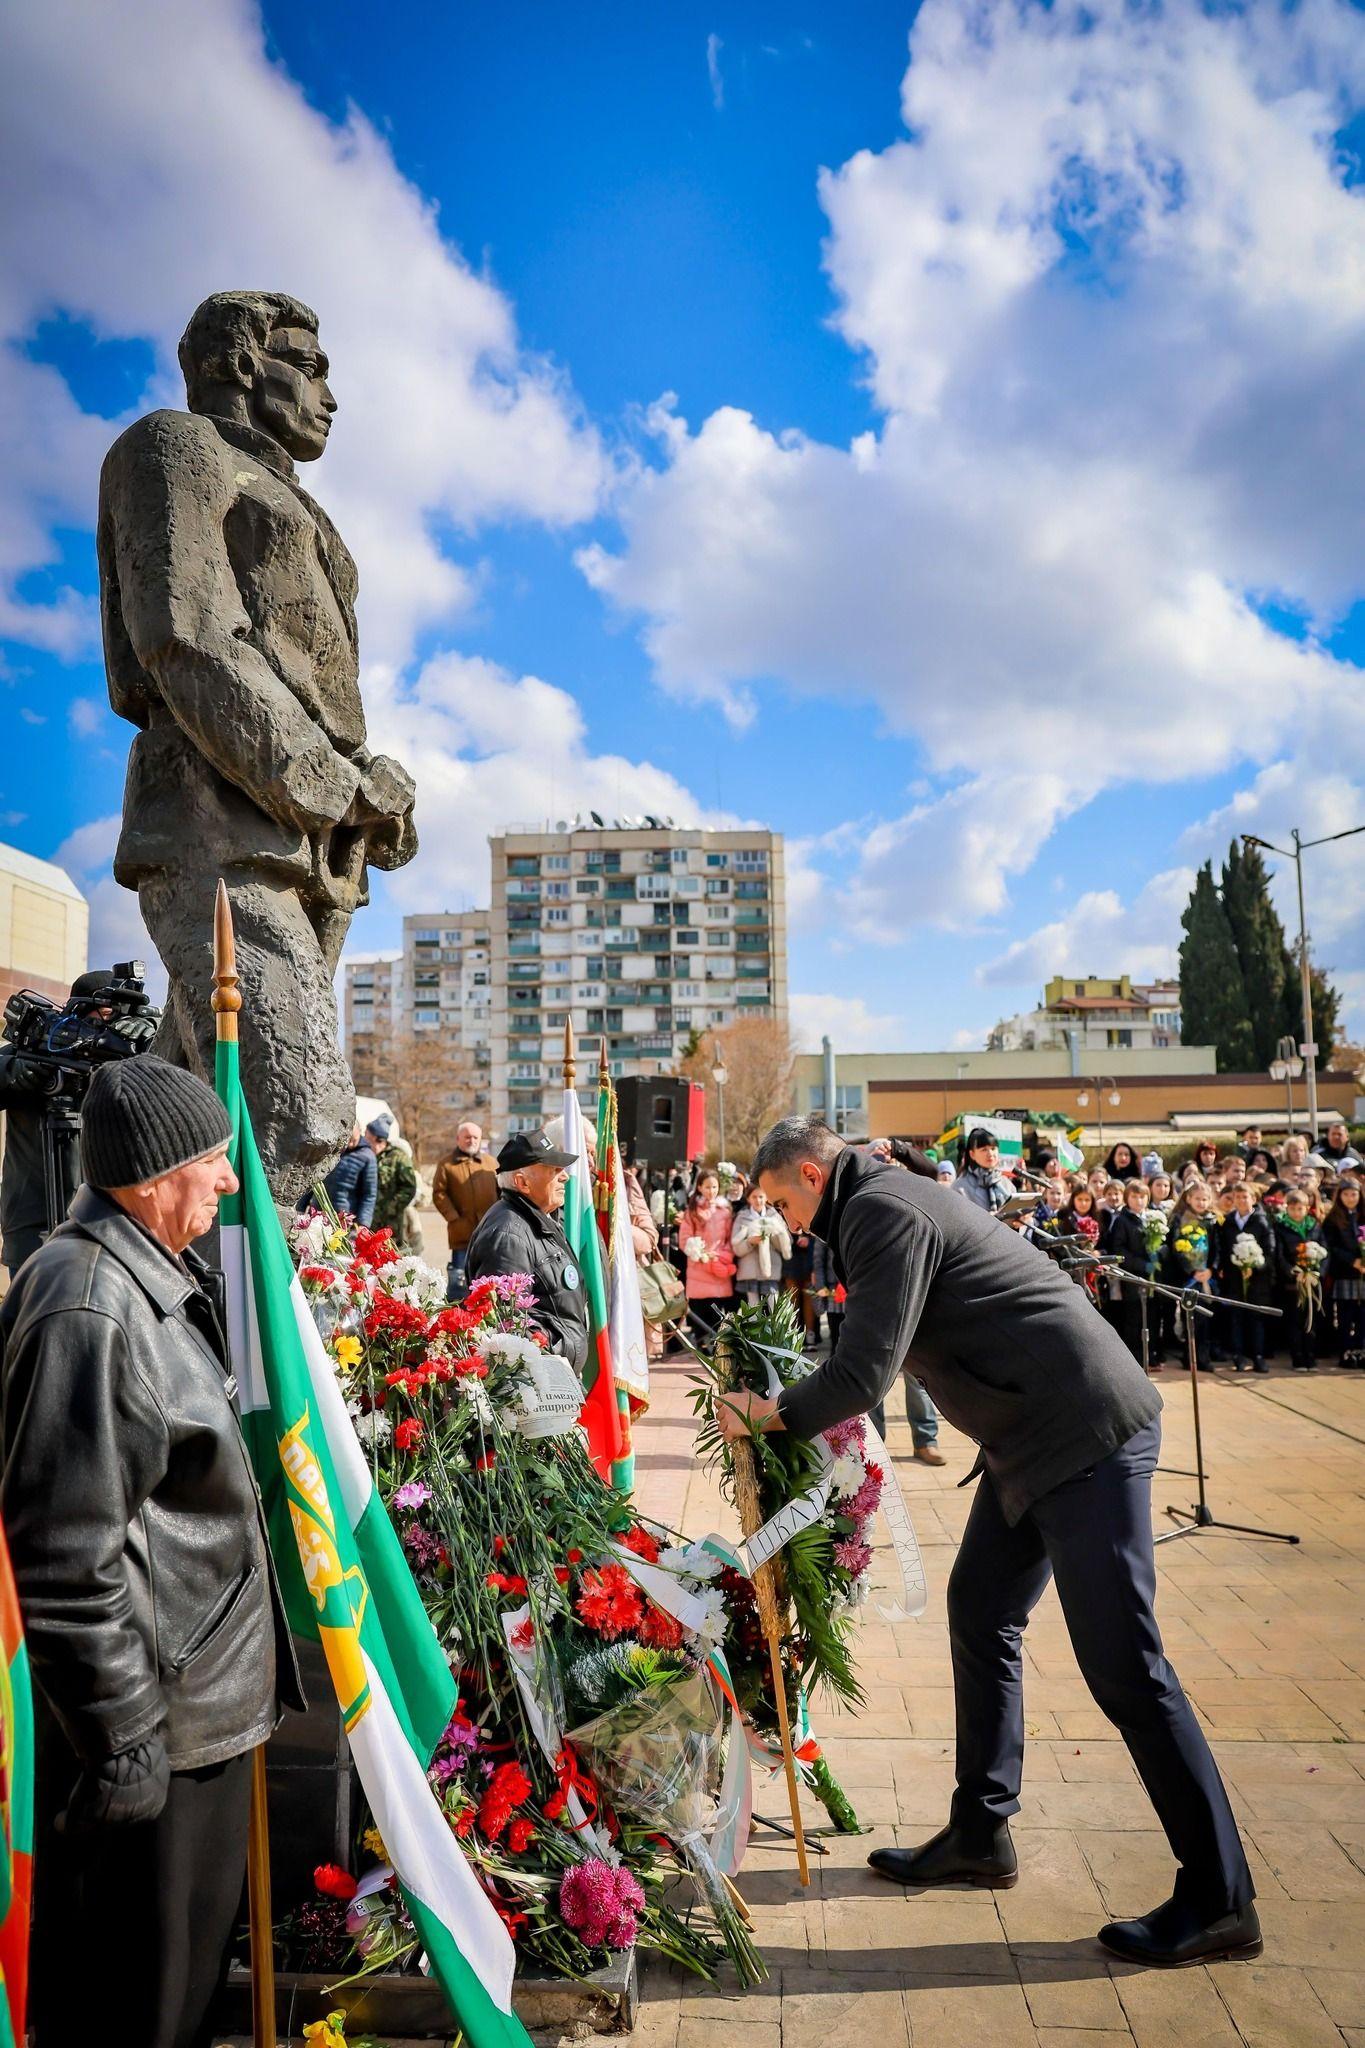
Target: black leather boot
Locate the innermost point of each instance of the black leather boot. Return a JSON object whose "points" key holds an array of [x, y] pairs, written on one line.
{"points": [[1176, 1935], [953, 1857]]}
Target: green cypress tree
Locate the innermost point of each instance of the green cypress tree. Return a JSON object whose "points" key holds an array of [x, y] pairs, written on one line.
{"points": [[1258, 936], [1213, 1004]]}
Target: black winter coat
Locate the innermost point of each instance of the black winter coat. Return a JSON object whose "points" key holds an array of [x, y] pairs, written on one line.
{"points": [[1344, 1247], [1009, 1350], [1261, 1284], [26, 1097], [134, 1523], [1126, 1241], [516, 1237], [1287, 1244]]}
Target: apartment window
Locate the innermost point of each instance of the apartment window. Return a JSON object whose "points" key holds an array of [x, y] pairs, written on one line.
{"points": [[556, 863], [679, 856], [716, 1016], [717, 860], [689, 989], [557, 915], [426, 938], [588, 886], [480, 979], [717, 885], [649, 887], [588, 992], [558, 970], [555, 1019], [751, 857], [555, 889], [717, 913], [718, 938]]}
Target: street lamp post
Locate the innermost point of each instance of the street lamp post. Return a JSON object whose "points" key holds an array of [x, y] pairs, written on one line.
{"points": [[1287, 1066], [1099, 1086], [720, 1075], [1308, 1049]]}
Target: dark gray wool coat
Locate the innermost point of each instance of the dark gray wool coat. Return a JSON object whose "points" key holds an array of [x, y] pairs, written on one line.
{"points": [[1012, 1352]]}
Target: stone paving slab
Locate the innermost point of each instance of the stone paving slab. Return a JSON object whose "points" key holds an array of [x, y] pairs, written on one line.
{"points": [[1269, 1640]]}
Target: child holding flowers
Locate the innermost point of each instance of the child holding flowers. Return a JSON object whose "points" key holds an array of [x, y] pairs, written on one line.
{"points": [[1189, 1255], [1302, 1256], [1343, 1234], [1246, 1269]]}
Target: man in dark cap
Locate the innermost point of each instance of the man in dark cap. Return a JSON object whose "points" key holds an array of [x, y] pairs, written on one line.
{"points": [[154, 1624], [29, 1090], [522, 1233]]}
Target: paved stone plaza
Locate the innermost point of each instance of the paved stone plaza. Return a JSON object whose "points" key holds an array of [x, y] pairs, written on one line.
{"points": [[1269, 1641]]}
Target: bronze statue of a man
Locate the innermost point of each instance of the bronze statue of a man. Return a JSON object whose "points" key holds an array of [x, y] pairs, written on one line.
{"points": [[228, 604]]}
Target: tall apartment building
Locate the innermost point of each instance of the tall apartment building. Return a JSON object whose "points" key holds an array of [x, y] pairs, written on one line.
{"points": [[434, 995], [640, 935], [370, 1013]]}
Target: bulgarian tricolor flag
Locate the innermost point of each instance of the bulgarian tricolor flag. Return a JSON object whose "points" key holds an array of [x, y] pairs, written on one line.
{"points": [[16, 1810], [601, 1417], [625, 1317], [347, 1585]]}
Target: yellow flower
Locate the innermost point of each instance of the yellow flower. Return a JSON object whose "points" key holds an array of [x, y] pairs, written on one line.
{"points": [[374, 1842], [328, 2033], [347, 1350]]}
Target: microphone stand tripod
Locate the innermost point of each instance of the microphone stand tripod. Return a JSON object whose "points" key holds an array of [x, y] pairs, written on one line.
{"points": [[1199, 1517]]}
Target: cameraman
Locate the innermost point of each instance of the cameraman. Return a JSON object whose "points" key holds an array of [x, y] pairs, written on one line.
{"points": [[33, 1088]]}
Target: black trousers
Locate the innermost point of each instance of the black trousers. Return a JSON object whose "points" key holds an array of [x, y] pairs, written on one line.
{"points": [[133, 1923], [1094, 1535]]}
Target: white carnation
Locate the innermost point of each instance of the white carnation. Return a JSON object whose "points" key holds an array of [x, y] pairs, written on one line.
{"points": [[374, 1428], [847, 1473]]}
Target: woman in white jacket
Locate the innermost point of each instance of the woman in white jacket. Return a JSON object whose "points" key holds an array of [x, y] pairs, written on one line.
{"points": [[760, 1242]]}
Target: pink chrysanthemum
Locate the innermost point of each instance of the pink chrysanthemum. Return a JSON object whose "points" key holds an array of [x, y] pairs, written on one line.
{"points": [[865, 1502], [600, 1902], [847, 1436], [853, 1556]]}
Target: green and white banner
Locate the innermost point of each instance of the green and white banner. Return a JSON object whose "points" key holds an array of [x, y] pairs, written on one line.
{"points": [[346, 1584]]}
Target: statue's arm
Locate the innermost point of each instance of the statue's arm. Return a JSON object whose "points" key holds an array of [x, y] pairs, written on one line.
{"points": [[167, 494]]}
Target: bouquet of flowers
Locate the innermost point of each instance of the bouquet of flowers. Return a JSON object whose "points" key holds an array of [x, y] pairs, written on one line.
{"points": [[1309, 1260], [727, 1173], [526, 1565], [696, 1248], [1192, 1245], [1247, 1256], [1155, 1230], [823, 1569]]}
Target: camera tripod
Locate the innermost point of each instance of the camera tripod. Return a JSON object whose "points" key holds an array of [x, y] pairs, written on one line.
{"points": [[61, 1143]]}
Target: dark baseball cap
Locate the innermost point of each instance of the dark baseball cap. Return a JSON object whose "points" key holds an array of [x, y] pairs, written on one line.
{"points": [[531, 1148]]}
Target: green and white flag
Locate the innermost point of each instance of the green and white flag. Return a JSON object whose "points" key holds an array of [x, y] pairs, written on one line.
{"points": [[346, 1583]]}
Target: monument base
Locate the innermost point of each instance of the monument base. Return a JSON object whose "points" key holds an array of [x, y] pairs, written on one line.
{"points": [[414, 2008]]}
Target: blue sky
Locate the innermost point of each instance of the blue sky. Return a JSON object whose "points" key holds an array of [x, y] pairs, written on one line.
{"points": [[935, 436]]}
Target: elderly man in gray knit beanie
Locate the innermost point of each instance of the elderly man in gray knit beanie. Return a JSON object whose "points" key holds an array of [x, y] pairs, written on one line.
{"points": [[157, 1636]]}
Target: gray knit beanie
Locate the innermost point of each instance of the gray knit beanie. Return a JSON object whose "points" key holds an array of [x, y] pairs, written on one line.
{"points": [[143, 1117]]}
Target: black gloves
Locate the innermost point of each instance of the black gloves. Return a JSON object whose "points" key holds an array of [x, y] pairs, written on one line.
{"points": [[139, 1029], [119, 1790]]}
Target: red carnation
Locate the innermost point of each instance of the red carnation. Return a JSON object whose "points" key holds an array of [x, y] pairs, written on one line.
{"points": [[409, 1433], [642, 1543], [334, 1882], [609, 1601], [508, 1788], [520, 1835], [658, 1629]]}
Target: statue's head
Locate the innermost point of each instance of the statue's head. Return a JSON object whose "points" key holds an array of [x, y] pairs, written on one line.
{"points": [[255, 357]]}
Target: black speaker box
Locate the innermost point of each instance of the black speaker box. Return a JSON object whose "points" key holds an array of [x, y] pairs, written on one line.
{"points": [[652, 1121]]}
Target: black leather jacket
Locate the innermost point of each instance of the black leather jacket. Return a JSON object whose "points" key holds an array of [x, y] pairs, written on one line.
{"points": [[516, 1237], [132, 1513]]}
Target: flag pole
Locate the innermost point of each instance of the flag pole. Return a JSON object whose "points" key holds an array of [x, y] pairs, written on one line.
{"points": [[745, 1468], [570, 1054], [227, 1002]]}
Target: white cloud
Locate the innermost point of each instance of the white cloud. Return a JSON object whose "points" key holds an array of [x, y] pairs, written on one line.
{"points": [[1100, 934], [116, 928], [489, 749], [1111, 300], [85, 715], [847, 1021], [714, 46], [174, 159]]}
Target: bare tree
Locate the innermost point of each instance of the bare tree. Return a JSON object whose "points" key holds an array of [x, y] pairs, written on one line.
{"points": [[432, 1084], [759, 1059]]}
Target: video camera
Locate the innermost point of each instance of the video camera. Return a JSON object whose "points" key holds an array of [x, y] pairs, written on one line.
{"points": [[72, 1039]]}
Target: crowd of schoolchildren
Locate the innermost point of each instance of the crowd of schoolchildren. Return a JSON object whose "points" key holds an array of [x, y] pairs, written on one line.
{"points": [[1259, 1229], [1255, 1227]]}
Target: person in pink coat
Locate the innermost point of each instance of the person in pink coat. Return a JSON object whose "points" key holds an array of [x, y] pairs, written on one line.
{"points": [[704, 1234]]}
